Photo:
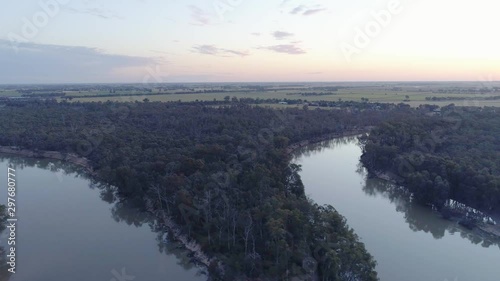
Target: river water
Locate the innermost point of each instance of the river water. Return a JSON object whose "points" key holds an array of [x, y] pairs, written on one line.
{"points": [[71, 229], [409, 242]]}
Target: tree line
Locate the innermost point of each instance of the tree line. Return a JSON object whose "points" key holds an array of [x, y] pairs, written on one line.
{"points": [[454, 155]]}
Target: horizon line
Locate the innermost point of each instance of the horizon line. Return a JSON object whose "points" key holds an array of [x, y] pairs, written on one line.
{"points": [[250, 82]]}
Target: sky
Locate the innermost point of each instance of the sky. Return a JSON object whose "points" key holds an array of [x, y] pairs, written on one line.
{"points": [[170, 41]]}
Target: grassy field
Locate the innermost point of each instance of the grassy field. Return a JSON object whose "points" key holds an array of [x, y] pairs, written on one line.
{"points": [[413, 93], [412, 98], [9, 93]]}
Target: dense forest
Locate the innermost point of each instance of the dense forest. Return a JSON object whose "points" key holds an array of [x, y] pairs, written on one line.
{"points": [[221, 173], [453, 155]]}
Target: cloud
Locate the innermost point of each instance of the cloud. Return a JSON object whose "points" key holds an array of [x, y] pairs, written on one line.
{"points": [[286, 49], [199, 16], [96, 12], [40, 63], [214, 51], [255, 33], [281, 35], [206, 49], [306, 11], [313, 11], [238, 53], [297, 9]]}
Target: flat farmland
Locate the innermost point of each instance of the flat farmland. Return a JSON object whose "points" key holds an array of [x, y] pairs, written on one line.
{"points": [[412, 93], [414, 98]]}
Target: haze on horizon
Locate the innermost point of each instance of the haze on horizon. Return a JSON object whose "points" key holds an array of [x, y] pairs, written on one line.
{"points": [[89, 41]]}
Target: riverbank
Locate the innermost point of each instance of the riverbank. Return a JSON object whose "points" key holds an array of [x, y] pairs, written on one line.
{"points": [[176, 234], [54, 155], [351, 133], [482, 229]]}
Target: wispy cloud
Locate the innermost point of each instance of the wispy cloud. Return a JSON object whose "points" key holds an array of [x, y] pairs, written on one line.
{"points": [[40, 63], [297, 9], [281, 35], [206, 49], [284, 2], [234, 52], [313, 11], [215, 51], [255, 33], [96, 12], [286, 49], [307, 11], [199, 16]]}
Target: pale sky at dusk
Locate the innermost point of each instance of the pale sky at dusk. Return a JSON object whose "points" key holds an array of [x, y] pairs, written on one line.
{"points": [[85, 41]]}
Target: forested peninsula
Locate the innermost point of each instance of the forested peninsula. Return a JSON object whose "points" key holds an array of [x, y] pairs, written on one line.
{"points": [[221, 173]]}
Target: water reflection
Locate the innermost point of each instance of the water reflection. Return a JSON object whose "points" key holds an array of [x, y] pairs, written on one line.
{"points": [[317, 148], [418, 217], [130, 212]]}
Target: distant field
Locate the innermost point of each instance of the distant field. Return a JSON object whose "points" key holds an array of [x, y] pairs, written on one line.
{"points": [[9, 93], [413, 93], [412, 98]]}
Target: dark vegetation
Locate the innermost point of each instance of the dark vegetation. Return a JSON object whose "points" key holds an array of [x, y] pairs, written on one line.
{"points": [[454, 155], [223, 174], [3, 217], [475, 98]]}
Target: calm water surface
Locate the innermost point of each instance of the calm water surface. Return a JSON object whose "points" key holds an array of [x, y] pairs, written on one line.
{"points": [[409, 242], [70, 232]]}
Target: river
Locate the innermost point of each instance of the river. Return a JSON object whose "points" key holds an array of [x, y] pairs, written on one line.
{"points": [[70, 228], [408, 241]]}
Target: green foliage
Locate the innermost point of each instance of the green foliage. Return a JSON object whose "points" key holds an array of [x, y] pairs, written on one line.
{"points": [[452, 156]]}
